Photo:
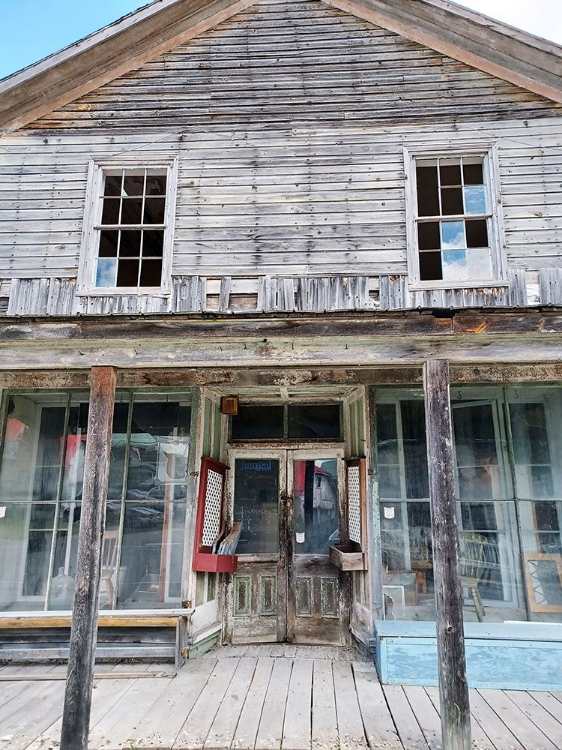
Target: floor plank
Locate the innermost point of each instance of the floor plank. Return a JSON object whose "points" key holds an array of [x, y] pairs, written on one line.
{"points": [[300, 703], [118, 728], [480, 740], [498, 733], [526, 732], [407, 725], [549, 703], [25, 726], [297, 724], [377, 720], [247, 729], [167, 716], [324, 720], [104, 695], [270, 730], [541, 717], [226, 720], [194, 731], [350, 723]]}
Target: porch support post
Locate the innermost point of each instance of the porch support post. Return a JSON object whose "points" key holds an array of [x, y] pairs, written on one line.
{"points": [[453, 686], [83, 636]]}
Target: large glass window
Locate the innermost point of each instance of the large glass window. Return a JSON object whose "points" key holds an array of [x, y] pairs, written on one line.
{"points": [[41, 500], [509, 510]]}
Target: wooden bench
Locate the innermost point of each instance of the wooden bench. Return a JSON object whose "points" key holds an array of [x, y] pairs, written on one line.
{"points": [[152, 634]]}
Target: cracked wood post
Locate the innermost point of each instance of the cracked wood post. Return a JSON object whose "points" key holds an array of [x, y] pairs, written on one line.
{"points": [[453, 686], [83, 636]]}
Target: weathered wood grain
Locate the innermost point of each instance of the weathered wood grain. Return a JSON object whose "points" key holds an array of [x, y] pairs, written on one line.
{"points": [[78, 694], [290, 156], [453, 685]]}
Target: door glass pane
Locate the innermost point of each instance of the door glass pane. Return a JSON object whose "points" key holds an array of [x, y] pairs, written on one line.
{"points": [[256, 505], [315, 498]]}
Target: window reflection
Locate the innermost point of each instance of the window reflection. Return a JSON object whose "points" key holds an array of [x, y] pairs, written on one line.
{"points": [[509, 487], [41, 497]]}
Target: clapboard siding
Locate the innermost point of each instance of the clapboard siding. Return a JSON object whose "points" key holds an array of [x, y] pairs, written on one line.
{"points": [[281, 203], [289, 123], [280, 62]]}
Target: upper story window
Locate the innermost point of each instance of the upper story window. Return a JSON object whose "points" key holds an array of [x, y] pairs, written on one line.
{"points": [[128, 232], [454, 222]]}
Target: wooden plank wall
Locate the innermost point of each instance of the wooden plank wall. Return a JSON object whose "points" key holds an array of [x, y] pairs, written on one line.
{"points": [[289, 122], [56, 296]]}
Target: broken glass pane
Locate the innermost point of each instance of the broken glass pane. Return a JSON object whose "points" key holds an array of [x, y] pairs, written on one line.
{"points": [[450, 173], [477, 233], [451, 201], [427, 191], [430, 266]]}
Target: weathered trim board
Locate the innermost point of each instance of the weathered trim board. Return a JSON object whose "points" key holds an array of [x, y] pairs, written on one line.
{"points": [[506, 656]]}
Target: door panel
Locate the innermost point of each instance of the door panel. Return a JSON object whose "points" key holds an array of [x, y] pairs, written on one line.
{"points": [[285, 588], [257, 613], [314, 606]]}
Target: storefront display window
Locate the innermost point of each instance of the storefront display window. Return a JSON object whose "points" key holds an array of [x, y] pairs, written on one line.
{"points": [[41, 497], [509, 509]]}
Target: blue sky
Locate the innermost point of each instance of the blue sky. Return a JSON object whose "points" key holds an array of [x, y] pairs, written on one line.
{"points": [[33, 29]]}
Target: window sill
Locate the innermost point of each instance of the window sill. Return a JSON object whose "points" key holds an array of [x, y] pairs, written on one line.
{"points": [[420, 286], [153, 291]]}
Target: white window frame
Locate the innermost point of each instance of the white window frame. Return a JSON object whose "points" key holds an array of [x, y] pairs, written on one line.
{"points": [[92, 220], [489, 154]]}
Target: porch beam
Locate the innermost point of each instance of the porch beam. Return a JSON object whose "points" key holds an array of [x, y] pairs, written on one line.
{"points": [[453, 685], [83, 635]]}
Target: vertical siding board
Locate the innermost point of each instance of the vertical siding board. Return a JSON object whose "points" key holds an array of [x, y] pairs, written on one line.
{"points": [[550, 286], [224, 295], [384, 293], [517, 288]]}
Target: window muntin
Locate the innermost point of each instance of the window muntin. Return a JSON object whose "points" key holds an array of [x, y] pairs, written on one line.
{"points": [[131, 229], [454, 219]]}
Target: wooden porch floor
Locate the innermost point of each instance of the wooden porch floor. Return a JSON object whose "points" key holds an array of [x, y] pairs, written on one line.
{"points": [[262, 698]]}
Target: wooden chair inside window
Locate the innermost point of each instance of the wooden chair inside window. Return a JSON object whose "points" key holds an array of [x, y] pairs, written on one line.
{"points": [[108, 563], [471, 557]]}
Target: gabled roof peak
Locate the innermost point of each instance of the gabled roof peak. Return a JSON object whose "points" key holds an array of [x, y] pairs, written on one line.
{"points": [[126, 44]]}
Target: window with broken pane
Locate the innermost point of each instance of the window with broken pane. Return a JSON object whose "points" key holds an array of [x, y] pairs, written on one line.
{"points": [[453, 221], [131, 228]]}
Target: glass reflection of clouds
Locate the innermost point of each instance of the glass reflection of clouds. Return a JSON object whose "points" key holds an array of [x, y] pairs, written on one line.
{"points": [[474, 199], [454, 264], [106, 273], [452, 235]]}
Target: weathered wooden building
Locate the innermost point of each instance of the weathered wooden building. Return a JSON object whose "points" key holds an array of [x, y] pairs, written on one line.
{"points": [[268, 217]]}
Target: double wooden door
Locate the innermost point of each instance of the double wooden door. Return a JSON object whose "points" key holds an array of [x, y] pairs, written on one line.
{"points": [[290, 505]]}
